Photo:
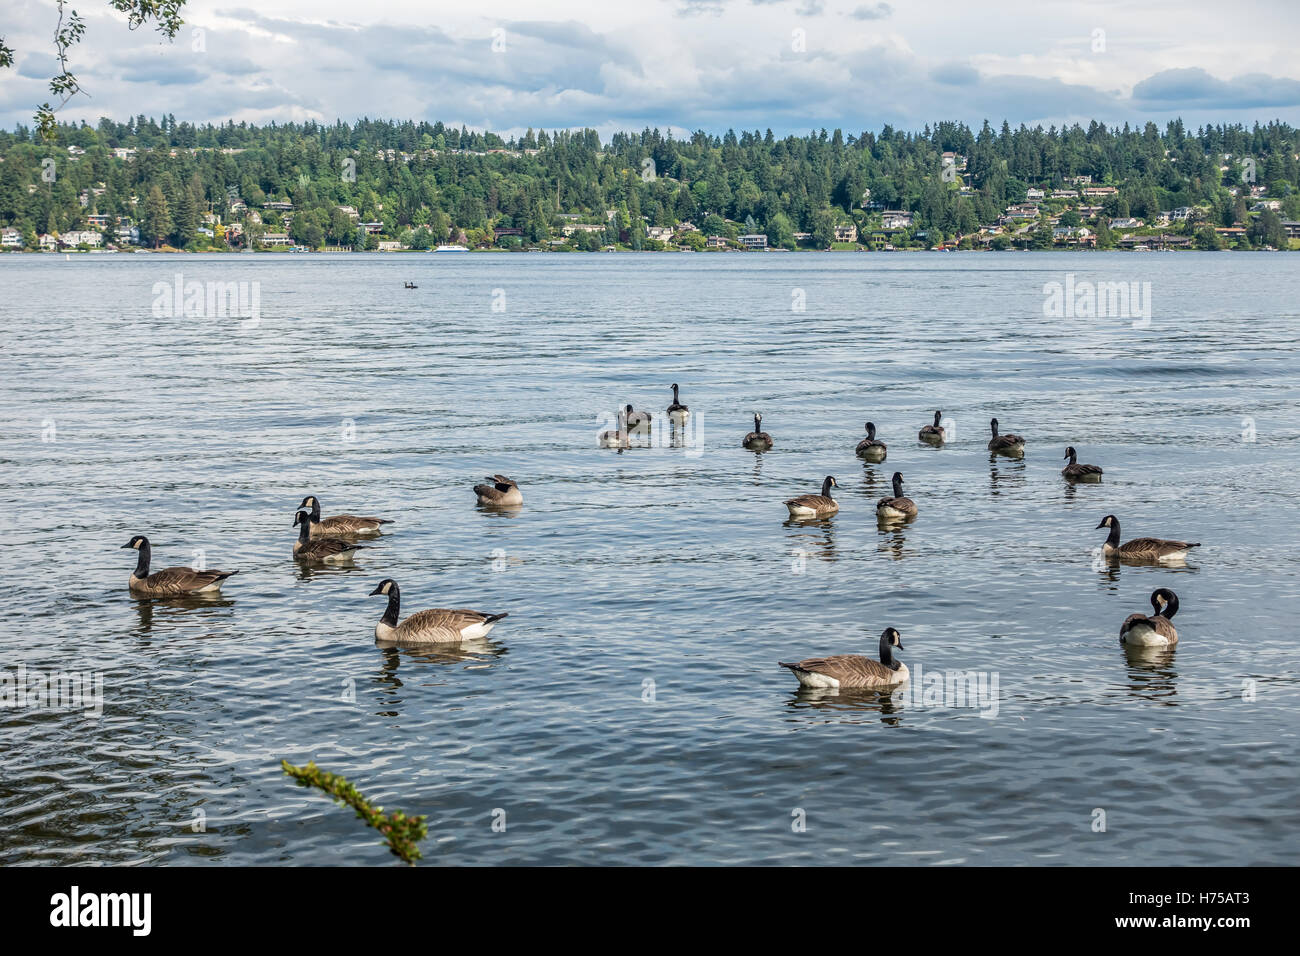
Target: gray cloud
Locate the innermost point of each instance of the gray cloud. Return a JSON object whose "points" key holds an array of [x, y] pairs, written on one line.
{"points": [[1192, 86], [873, 11]]}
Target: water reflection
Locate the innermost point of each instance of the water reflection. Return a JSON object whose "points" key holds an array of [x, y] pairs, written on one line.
{"points": [[475, 654], [1005, 474], [1151, 673], [307, 571], [886, 702], [872, 482], [811, 537], [166, 607], [893, 538]]}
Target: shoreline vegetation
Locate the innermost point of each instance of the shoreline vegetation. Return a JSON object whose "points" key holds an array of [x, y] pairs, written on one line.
{"points": [[169, 186]]}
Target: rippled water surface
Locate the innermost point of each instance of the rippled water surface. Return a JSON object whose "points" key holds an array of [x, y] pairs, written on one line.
{"points": [[630, 710]]}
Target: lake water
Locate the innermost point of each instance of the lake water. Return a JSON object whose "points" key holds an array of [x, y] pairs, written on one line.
{"points": [[630, 710]]}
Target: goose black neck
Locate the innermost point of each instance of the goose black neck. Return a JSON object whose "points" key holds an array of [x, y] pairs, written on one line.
{"points": [[994, 425], [142, 562], [937, 416], [887, 654], [1073, 456], [1113, 538], [756, 423], [871, 432], [1171, 608], [675, 402], [304, 530], [394, 606], [826, 488], [898, 486], [315, 511]]}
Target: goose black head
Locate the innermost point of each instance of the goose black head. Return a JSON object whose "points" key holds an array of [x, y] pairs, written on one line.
{"points": [[938, 415], [137, 542], [1107, 521], [1165, 602], [993, 423], [309, 502], [892, 638], [386, 586], [674, 386], [1070, 452], [871, 429], [301, 518]]}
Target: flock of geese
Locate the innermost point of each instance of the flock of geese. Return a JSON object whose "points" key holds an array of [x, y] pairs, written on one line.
{"points": [[334, 540]]}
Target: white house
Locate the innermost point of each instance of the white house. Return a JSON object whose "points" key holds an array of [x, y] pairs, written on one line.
{"points": [[753, 240], [11, 238], [895, 219], [49, 242]]}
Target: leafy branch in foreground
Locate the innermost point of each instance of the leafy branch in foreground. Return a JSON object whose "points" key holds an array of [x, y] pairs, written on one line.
{"points": [[400, 832], [166, 14]]}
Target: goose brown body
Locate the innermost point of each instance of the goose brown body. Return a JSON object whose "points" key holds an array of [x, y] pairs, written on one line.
{"points": [[933, 433], [337, 525], [757, 440], [814, 506], [1008, 444], [170, 582], [1152, 630], [853, 670], [433, 626], [898, 506], [321, 550], [872, 448], [503, 492], [1142, 550], [1077, 472]]}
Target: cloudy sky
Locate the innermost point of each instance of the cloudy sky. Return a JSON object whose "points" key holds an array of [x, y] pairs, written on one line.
{"points": [[788, 65]]}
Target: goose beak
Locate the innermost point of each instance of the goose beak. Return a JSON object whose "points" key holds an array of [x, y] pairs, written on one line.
{"points": [[127, 545], [900, 646], [1102, 525], [377, 590]]}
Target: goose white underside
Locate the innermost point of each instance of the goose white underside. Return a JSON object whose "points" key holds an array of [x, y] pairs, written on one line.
{"points": [[679, 418], [473, 632], [1143, 635], [886, 511], [803, 511]]}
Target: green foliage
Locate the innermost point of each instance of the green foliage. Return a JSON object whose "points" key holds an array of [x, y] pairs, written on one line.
{"points": [[459, 185], [401, 833]]}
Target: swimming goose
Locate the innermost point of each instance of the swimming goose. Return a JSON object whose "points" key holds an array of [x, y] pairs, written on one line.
{"points": [[815, 506], [502, 493], [897, 506], [339, 524], [677, 412], [615, 437], [933, 433], [1143, 549], [1154, 630], [871, 448], [170, 582], [854, 670], [1076, 472], [438, 625], [637, 421], [1007, 444], [327, 550], [757, 440]]}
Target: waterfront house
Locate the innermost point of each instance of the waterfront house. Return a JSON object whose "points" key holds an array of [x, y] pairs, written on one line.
{"points": [[843, 233], [758, 240], [715, 242], [11, 239], [276, 239]]}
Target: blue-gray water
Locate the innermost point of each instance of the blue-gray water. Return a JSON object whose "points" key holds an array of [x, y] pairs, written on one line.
{"points": [[630, 709]]}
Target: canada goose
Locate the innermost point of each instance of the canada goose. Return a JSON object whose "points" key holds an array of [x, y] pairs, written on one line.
{"points": [[170, 582], [854, 670], [897, 506], [1007, 444], [757, 440], [1155, 630], [677, 412], [1142, 549], [502, 493], [1076, 472], [438, 625], [637, 421], [339, 524], [871, 448], [815, 506], [327, 550], [615, 437], [933, 433]]}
